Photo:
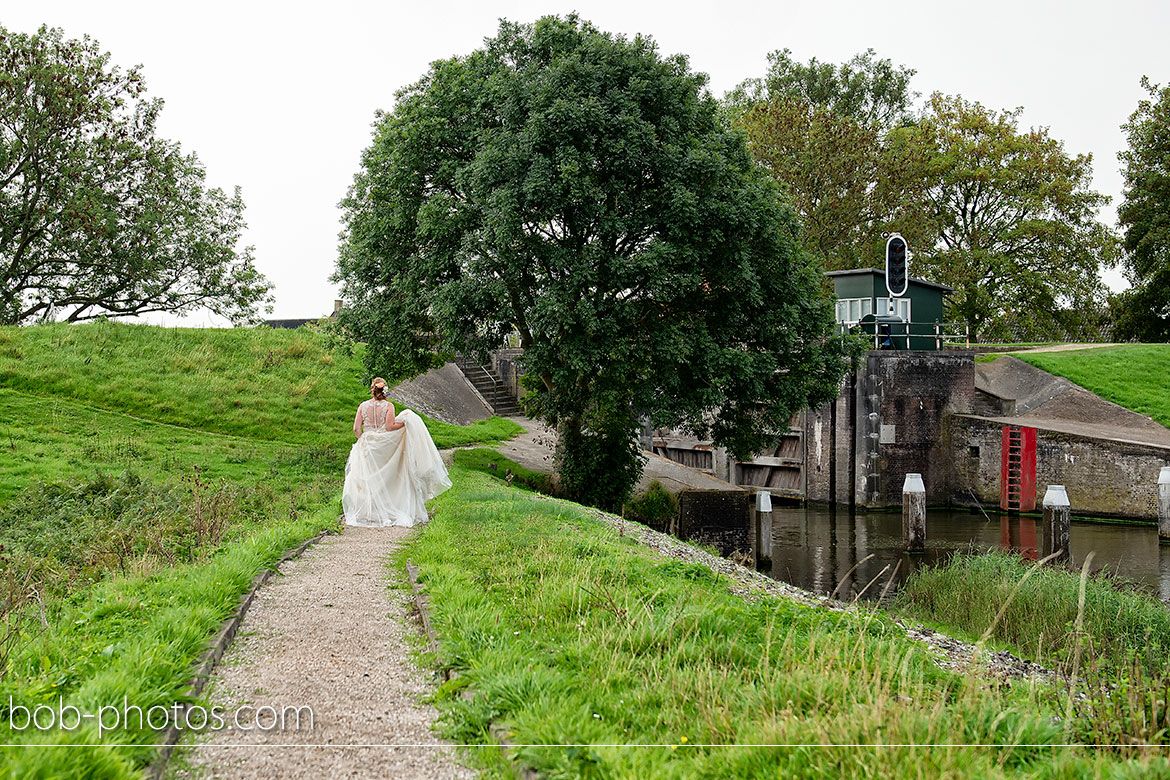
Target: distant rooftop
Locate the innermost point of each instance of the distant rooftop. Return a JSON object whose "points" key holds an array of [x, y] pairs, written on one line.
{"points": [[296, 323], [289, 323]]}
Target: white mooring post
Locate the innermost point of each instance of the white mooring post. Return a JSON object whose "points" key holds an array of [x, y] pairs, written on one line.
{"points": [[1056, 523], [1164, 504], [914, 513], [763, 545]]}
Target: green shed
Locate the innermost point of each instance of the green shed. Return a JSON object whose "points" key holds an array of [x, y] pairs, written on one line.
{"points": [[862, 297]]}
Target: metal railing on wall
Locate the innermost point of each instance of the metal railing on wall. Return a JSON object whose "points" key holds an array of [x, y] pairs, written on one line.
{"points": [[900, 334]]}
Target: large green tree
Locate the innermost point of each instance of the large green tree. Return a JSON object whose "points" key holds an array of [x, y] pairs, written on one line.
{"points": [[98, 215], [578, 188], [823, 131], [1144, 216], [1016, 225]]}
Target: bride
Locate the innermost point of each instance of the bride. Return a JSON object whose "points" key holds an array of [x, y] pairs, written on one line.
{"points": [[393, 467]]}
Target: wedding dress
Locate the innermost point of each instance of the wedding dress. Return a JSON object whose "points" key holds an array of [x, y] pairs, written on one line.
{"points": [[391, 474]]}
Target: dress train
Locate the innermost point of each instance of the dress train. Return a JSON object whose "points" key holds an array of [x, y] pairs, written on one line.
{"points": [[390, 475]]}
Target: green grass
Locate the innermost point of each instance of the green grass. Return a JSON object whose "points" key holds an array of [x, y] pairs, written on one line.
{"points": [[562, 632], [257, 383], [54, 439], [147, 474], [497, 466], [999, 347], [1136, 376], [260, 383], [969, 591], [135, 637]]}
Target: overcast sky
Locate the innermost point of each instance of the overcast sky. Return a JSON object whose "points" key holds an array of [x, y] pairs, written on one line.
{"points": [[279, 99]]}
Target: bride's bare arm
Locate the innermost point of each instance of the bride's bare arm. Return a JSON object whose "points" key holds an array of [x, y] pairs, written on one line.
{"points": [[391, 423], [357, 424]]}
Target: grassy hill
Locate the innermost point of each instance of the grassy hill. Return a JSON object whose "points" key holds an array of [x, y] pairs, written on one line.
{"points": [[45, 439], [147, 474], [1136, 376], [258, 383]]}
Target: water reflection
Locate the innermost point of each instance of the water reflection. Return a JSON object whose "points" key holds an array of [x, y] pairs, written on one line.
{"points": [[817, 547]]}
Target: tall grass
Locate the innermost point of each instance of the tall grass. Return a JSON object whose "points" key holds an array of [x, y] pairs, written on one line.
{"points": [[969, 590], [1111, 641], [578, 644]]}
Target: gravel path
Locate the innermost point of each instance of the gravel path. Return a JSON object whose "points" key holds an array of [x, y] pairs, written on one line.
{"points": [[329, 635], [1060, 347]]}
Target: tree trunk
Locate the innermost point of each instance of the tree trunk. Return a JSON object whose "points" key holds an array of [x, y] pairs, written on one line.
{"points": [[568, 430]]}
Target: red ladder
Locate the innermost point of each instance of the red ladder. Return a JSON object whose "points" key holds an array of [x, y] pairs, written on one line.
{"points": [[1015, 453], [1017, 476]]}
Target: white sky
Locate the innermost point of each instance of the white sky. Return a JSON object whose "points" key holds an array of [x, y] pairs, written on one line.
{"points": [[279, 99]]}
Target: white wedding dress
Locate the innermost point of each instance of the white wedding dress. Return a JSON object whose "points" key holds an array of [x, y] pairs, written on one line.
{"points": [[391, 474]]}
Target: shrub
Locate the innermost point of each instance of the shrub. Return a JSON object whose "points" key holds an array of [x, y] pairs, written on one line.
{"points": [[78, 531], [657, 507]]}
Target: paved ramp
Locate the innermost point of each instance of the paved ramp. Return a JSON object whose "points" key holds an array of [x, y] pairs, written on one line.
{"points": [[534, 448], [1033, 397], [444, 394]]}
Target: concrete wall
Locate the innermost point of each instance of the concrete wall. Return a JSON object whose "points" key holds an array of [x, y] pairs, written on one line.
{"points": [[504, 364], [891, 418], [445, 394], [715, 517], [1103, 478], [827, 434], [916, 393]]}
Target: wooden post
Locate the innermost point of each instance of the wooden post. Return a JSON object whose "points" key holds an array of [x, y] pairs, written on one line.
{"points": [[1164, 504], [763, 525], [914, 513], [1056, 523], [754, 534]]}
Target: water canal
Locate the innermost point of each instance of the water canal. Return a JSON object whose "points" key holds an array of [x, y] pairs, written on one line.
{"points": [[815, 547]]}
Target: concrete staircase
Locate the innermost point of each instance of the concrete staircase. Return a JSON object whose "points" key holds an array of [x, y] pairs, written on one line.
{"points": [[488, 384]]}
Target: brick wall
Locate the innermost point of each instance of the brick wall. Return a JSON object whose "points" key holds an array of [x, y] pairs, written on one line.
{"points": [[891, 419], [1103, 478]]}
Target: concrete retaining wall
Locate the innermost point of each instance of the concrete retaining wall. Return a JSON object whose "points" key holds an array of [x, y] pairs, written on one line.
{"points": [[504, 364], [444, 394], [715, 517]]}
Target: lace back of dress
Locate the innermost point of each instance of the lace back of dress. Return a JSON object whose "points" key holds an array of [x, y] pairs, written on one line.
{"points": [[374, 413]]}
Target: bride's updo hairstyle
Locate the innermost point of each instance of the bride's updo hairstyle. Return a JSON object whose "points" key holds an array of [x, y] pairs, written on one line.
{"points": [[378, 388]]}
